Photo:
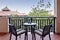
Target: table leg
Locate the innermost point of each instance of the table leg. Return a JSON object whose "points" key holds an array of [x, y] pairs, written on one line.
{"points": [[33, 34], [26, 36]]}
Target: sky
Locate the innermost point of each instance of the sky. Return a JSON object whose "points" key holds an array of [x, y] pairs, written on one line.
{"points": [[23, 6]]}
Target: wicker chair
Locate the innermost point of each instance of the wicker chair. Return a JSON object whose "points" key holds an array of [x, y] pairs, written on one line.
{"points": [[43, 32], [14, 31]]}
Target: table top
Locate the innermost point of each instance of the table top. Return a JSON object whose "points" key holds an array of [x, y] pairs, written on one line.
{"points": [[31, 24]]}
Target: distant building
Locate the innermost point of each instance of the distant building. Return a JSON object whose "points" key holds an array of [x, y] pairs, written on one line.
{"points": [[7, 12]]}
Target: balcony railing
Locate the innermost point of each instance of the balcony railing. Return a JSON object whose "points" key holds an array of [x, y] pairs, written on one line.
{"points": [[41, 21]]}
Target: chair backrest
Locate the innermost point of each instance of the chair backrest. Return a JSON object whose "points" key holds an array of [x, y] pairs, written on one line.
{"points": [[46, 29], [12, 29]]}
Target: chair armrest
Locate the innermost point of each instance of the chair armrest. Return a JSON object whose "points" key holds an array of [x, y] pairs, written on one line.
{"points": [[19, 29]]}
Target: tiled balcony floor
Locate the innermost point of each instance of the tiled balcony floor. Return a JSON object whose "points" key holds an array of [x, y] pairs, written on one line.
{"points": [[53, 37]]}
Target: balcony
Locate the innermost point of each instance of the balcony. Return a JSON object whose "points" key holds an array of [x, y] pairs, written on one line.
{"points": [[49, 20]]}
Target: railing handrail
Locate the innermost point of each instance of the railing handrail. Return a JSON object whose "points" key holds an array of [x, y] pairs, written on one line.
{"points": [[31, 17], [38, 20]]}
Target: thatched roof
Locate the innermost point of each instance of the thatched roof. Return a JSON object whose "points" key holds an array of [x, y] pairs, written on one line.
{"points": [[5, 9]]}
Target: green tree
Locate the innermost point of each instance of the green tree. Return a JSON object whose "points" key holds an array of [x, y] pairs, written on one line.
{"points": [[40, 9], [37, 13]]}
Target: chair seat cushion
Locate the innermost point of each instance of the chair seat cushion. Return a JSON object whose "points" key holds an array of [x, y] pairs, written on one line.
{"points": [[18, 30], [38, 32], [21, 32], [41, 30]]}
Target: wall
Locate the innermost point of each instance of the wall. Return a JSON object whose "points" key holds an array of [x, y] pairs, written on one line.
{"points": [[58, 16], [3, 24]]}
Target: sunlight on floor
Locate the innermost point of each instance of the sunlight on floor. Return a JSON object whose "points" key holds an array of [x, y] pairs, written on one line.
{"points": [[51, 33]]}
